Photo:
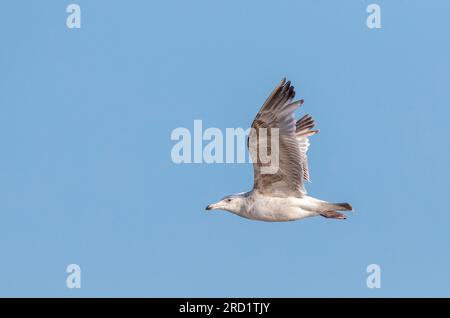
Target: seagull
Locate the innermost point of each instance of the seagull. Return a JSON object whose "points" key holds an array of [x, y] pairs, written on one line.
{"points": [[280, 195]]}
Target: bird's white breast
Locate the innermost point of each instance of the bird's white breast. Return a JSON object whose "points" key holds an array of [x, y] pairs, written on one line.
{"points": [[273, 209]]}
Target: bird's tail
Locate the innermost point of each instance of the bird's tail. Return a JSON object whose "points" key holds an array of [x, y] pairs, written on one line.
{"points": [[340, 206], [329, 210]]}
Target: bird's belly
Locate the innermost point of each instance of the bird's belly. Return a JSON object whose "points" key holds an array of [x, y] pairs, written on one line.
{"points": [[279, 210]]}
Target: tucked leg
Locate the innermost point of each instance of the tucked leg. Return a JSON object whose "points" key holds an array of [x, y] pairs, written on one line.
{"points": [[333, 215]]}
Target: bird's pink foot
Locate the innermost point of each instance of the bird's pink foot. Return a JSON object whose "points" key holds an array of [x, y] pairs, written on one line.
{"points": [[333, 215]]}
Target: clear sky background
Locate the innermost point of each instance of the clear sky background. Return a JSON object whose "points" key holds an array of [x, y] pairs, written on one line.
{"points": [[86, 175]]}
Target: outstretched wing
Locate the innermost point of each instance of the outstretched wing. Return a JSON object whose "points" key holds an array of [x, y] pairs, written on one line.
{"points": [[302, 132], [291, 167]]}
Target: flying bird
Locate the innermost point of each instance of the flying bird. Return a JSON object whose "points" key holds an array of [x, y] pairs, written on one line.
{"points": [[279, 194]]}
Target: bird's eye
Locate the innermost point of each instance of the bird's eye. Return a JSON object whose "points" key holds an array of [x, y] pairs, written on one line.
{"points": [[228, 200]]}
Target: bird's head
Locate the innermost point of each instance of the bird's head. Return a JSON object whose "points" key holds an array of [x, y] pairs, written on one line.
{"points": [[234, 203]]}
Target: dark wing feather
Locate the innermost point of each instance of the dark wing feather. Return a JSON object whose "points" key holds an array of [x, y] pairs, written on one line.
{"points": [[277, 112], [302, 132]]}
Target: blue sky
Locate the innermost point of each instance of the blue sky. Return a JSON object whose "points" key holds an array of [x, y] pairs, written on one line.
{"points": [[86, 175]]}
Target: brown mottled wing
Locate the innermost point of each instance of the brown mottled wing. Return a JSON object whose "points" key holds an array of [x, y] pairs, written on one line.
{"points": [[302, 132], [278, 112]]}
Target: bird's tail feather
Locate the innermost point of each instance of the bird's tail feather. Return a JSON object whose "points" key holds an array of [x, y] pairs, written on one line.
{"points": [[326, 206], [343, 206], [330, 210]]}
